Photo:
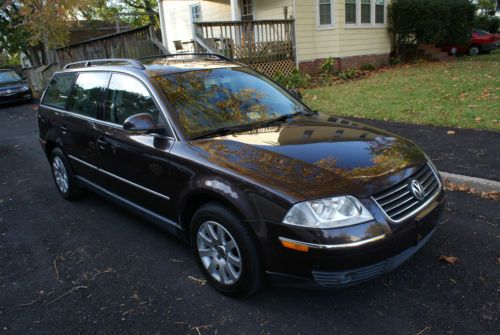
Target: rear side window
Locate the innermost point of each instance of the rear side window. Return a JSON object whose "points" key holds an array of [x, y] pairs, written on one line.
{"points": [[86, 96], [128, 96], [58, 90]]}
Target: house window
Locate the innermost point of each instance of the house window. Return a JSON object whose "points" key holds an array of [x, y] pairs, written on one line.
{"points": [[380, 11], [195, 13], [325, 13], [366, 11], [350, 11], [246, 10]]}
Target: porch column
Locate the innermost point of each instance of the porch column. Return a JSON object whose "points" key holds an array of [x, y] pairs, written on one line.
{"points": [[235, 10]]}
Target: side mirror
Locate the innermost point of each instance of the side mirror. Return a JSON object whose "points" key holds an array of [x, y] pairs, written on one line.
{"points": [[141, 123], [296, 94]]}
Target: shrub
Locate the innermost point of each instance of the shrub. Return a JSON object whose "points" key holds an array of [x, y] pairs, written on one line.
{"points": [[293, 80], [367, 67], [348, 74], [488, 23], [395, 61], [329, 66], [431, 21]]}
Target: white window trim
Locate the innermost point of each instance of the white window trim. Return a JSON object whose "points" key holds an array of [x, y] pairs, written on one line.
{"points": [[326, 26], [359, 25], [191, 11]]}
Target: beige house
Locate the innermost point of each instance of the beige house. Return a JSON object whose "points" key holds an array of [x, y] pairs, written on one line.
{"points": [[304, 32]]}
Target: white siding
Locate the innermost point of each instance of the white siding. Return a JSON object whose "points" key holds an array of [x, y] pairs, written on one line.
{"points": [[272, 9], [341, 41], [177, 21], [215, 10]]}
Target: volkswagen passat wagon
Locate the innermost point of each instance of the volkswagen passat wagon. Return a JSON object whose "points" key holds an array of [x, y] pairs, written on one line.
{"points": [[263, 188]]}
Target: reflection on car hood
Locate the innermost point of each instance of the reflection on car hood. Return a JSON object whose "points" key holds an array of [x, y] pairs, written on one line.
{"points": [[313, 157], [12, 84]]}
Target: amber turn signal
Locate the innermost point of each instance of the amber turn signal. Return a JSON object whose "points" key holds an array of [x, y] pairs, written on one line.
{"points": [[294, 246]]}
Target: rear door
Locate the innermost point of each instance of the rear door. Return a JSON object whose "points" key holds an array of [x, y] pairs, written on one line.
{"points": [[53, 106], [79, 124], [138, 164]]}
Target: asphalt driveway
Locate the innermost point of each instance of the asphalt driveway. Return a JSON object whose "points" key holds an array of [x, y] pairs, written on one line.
{"points": [[90, 267]]}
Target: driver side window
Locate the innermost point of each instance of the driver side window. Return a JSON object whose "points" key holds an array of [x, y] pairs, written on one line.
{"points": [[127, 96]]}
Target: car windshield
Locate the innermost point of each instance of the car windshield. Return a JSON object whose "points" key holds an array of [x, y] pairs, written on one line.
{"points": [[8, 76], [205, 101], [481, 32]]}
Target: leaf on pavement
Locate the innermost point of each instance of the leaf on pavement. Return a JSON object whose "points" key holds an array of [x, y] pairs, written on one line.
{"points": [[450, 132], [448, 259]]}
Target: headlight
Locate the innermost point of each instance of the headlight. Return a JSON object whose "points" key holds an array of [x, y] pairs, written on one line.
{"points": [[25, 88], [328, 213]]}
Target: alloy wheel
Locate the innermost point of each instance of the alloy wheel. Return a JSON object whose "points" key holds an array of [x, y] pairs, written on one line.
{"points": [[219, 253], [60, 174]]}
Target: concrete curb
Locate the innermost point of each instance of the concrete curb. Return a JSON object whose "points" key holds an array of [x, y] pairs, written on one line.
{"points": [[478, 184]]}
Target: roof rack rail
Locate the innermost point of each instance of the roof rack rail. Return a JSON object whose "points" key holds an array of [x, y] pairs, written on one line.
{"points": [[87, 63], [218, 56]]}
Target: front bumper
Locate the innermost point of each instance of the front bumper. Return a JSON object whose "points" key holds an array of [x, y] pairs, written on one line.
{"points": [[16, 97], [491, 46], [353, 264]]}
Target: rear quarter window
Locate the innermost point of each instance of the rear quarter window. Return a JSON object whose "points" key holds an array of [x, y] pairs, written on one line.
{"points": [[58, 90]]}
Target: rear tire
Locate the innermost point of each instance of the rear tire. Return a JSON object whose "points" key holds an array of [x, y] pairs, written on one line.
{"points": [[65, 181], [474, 50], [226, 251]]}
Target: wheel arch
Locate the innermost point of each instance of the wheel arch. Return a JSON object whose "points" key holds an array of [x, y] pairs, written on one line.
{"points": [[196, 199]]}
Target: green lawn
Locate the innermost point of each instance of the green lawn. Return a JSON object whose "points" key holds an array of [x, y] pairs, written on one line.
{"points": [[464, 93]]}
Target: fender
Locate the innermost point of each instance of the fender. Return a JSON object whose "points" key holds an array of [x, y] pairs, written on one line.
{"points": [[221, 190]]}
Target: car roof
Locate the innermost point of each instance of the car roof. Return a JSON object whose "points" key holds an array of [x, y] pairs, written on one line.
{"points": [[155, 66], [162, 67]]}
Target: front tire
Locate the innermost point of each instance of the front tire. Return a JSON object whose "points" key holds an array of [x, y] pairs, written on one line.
{"points": [[65, 181], [226, 251], [474, 50]]}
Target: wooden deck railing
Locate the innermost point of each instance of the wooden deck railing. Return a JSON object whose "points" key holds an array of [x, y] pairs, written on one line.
{"points": [[250, 42]]}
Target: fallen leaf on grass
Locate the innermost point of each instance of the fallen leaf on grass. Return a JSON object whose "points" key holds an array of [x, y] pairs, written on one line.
{"points": [[478, 119], [450, 132], [448, 259]]}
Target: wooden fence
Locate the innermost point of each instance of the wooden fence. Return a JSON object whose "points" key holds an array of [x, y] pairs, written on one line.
{"points": [[266, 45], [134, 43]]}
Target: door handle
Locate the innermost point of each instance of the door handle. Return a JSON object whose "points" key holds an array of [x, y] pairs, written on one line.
{"points": [[102, 143], [64, 129]]}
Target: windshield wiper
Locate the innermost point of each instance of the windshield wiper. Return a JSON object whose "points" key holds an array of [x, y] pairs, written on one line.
{"points": [[222, 131], [237, 129]]}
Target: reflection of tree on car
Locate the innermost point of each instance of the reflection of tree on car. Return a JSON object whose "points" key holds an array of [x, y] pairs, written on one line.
{"points": [[208, 99]]}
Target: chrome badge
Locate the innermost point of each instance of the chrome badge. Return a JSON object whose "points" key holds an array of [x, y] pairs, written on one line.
{"points": [[417, 189]]}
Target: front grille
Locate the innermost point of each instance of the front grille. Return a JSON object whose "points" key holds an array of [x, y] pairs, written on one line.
{"points": [[398, 202]]}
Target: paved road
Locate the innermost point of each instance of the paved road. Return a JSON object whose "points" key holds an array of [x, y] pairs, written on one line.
{"points": [[90, 267], [469, 152]]}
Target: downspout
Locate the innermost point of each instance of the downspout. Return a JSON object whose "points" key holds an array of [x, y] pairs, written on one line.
{"points": [[294, 34]]}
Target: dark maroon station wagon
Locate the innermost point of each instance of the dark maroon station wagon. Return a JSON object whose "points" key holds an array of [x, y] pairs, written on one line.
{"points": [[263, 188]]}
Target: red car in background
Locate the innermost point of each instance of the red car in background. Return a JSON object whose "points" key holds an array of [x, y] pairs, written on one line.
{"points": [[481, 42]]}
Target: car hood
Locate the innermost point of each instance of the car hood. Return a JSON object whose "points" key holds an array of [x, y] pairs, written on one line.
{"points": [[313, 157], [12, 84]]}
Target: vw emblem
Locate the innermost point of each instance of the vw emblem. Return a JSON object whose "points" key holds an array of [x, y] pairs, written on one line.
{"points": [[417, 189]]}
